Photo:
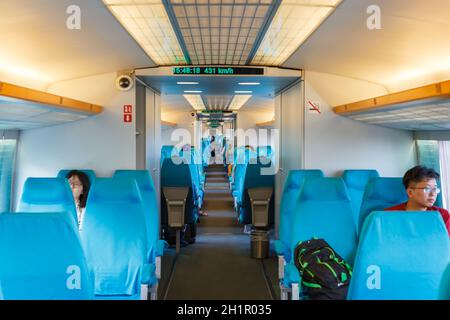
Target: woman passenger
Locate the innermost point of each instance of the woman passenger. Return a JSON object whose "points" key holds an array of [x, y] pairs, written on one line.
{"points": [[79, 183]]}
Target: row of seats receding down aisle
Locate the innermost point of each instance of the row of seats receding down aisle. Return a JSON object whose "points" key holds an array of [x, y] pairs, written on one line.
{"points": [[216, 263], [122, 253]]}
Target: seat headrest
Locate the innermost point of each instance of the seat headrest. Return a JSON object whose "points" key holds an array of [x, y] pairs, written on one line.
{"points": [[142, 178], [296, 177], [324, 189], [264, 150], [400, 224], [176, 173], [357, 179], [116, 189], [390, 190], [167, 148], [46, 191]]}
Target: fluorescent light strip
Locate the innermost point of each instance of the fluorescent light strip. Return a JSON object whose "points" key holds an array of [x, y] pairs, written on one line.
{"points": [[193, 91], [184, 82], [243, 91], [238, 101], [293, 23], [249, 83], [148, 23], [195, 100]]}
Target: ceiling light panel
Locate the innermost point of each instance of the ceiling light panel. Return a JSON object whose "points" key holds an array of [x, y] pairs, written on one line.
{"points": [[195, 100], [218, 102], [292, 24], [220, 31], [148, 23], [238, 101]]}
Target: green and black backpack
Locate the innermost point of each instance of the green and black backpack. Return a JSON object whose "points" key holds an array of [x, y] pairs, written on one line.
{"points": [[325, 275]]}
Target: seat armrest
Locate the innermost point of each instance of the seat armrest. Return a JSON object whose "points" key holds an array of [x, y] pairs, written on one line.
{"points": [[147, 272], [160, 246], [281, 249], [291, 275]]}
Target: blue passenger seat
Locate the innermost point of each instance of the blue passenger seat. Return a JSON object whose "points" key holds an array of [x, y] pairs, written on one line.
{"points": [[264, 151], [166, 152], [42, 258], [291, 192], [48, 195], [380, 194], [114, 238], [255, 177], [155, 245], [323, 210], [356, 181], [401, 255], [178, 174], [244, 157], [197, 184]]}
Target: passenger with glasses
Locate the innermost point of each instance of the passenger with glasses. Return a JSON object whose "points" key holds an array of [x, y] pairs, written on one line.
{"points": [[79, 183], [421, 187]]}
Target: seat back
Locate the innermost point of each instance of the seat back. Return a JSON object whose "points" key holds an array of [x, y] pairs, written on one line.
{"points": [[244, 157], [42, 258], [254, 177], [401, 255], [356, 181], [114, 236], [204, 152], [197, 160], [48, 195], [147, 190], [291, 192], [324, 210], [166, 152], [380, 194], [89, 172], [188, 157], [264, 151], [175, 173]]}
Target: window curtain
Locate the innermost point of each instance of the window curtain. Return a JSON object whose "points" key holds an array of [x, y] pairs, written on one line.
{"points": [[444, 160]]}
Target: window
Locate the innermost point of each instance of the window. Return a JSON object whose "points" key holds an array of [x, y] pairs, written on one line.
{"points": [[7, 155], [429, 156], [444, 160]]}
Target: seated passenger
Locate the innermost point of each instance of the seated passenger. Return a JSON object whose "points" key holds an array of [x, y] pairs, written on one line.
{"points": [[79, 183], [422, 190]]}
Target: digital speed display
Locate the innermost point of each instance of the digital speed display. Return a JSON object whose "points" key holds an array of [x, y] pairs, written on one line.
{"points": [[217, 70]]}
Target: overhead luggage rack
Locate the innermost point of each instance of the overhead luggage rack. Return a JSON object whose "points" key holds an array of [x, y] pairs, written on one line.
{"points": [[24, 108], [422, 108]]}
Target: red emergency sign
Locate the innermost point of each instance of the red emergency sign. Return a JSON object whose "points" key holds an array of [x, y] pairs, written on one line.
{"points": [[127, 118]]}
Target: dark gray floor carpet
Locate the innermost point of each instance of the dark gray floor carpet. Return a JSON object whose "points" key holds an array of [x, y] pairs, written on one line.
{"points": [[218, 266]]}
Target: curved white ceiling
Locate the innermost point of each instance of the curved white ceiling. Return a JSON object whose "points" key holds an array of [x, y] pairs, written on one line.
{"points": [[38, 49], [411, 49]]}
